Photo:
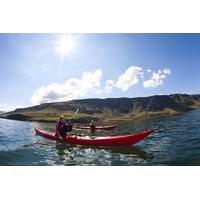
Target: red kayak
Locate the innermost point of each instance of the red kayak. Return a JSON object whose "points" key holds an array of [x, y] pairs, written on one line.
{"points": [[106, 128], [124, 140]]}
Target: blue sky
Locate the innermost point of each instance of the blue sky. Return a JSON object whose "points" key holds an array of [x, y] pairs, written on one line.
{"points": [[39, 68]]}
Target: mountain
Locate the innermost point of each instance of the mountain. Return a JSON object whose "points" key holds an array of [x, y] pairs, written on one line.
{"points": [[109, 109]]}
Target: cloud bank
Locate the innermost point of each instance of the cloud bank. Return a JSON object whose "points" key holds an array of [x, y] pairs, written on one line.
{"points": [[129, 78], [73, 88], [90, 84], [156, 79]]}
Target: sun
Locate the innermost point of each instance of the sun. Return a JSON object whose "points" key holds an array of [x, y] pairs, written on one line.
{"points": [[65, 45]]}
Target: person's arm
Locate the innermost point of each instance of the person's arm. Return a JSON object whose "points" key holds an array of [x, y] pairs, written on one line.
{"points": [[58, 127]]}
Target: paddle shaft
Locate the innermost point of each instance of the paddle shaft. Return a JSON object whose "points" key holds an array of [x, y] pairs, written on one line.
{"points": [[77, 110]]}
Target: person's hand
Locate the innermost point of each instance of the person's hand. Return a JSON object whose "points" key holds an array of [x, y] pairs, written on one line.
{"points": [[61, 138]]}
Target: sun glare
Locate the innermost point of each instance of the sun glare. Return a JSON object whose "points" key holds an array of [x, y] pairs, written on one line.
{"points": [[65, 45]]}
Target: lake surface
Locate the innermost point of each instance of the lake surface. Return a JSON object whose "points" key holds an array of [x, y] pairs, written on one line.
{"points": [[176, 142]]}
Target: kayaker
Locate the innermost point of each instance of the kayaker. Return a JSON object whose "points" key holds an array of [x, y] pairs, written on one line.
{"points": [[92, 124], [66, 127], [59, 125]]}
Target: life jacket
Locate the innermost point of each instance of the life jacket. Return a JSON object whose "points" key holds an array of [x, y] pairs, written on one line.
{"points": [[69, 128]]}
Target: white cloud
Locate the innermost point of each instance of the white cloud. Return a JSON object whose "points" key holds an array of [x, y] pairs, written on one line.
{"points": [[156, 78], [71, 89], [129, 78], [149, 70], [90, 84], [167, 71], [109, 85], [5, 107]]}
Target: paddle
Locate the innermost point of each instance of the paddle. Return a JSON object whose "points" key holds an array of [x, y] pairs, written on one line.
{"points": [[77, 110]]}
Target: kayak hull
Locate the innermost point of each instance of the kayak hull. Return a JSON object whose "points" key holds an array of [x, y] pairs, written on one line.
{"points": [[106, 128], [124, 140]]}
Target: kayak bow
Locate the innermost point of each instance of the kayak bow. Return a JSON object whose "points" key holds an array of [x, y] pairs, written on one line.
{"points": [[123, 140]]}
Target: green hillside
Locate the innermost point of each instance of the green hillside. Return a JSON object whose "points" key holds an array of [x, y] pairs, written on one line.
{"points": [[110, 109]]}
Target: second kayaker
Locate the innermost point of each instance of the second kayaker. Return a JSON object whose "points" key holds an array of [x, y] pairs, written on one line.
{"points": [[92, 124]]}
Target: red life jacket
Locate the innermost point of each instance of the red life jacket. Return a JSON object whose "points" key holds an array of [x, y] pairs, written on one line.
{"points": [[58, 128]]}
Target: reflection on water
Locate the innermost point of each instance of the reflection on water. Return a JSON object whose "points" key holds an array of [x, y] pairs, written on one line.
{"points": [[176, 142]]}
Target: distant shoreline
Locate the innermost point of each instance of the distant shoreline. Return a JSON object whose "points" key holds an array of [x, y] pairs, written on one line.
{"points": [[105, 121], [108, 110]]}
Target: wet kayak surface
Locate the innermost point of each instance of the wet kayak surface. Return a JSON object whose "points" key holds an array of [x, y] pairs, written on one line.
{"points": [[176, 142]]}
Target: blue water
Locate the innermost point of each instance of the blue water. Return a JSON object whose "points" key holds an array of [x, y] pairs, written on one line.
{"points": [[176, 142]]}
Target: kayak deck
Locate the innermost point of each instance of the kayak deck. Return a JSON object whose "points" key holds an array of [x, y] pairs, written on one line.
{"points": [[123, 140]]}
